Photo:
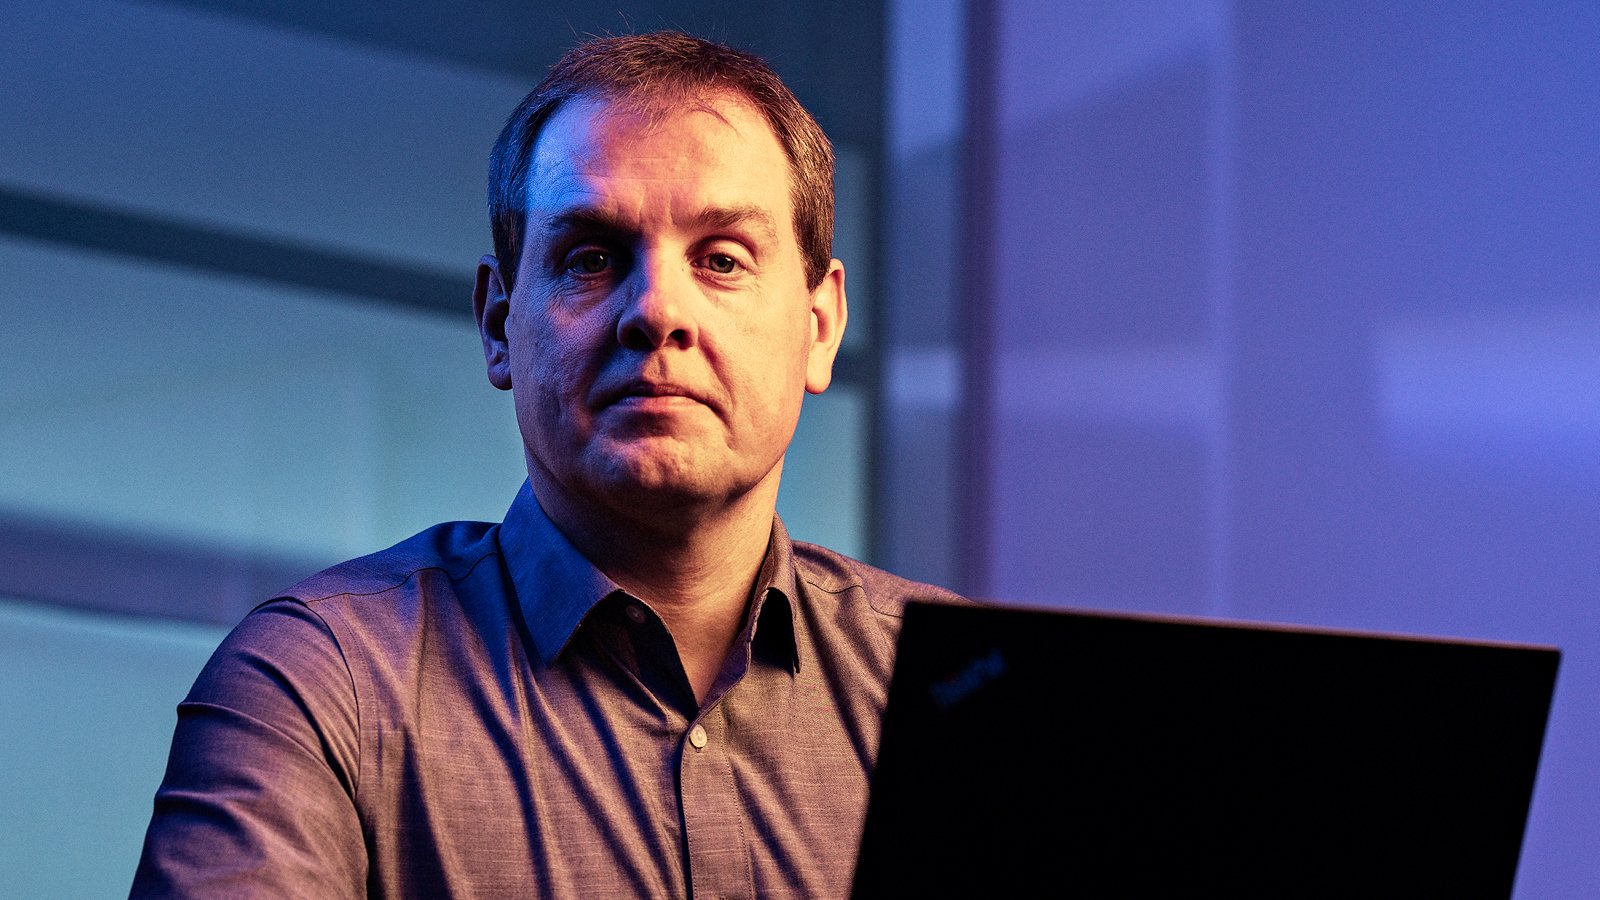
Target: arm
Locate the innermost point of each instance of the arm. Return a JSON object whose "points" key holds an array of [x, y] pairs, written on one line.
{"points": [[258, 798]]}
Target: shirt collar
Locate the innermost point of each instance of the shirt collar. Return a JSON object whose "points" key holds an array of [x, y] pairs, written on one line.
{"points": [[556, 585], [775, 617]]}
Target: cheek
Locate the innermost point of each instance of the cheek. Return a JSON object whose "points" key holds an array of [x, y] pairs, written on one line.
{"points": [[555, 361], [559, 348], [770, 379]]}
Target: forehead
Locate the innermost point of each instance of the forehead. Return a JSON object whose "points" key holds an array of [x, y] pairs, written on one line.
{"points": [[659, 161]]}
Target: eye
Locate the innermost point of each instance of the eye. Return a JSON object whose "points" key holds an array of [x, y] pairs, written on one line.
{"points": [[589, 262], [721, 263]]}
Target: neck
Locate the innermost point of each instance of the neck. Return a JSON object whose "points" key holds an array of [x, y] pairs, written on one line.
{"points": [[696, 568]]}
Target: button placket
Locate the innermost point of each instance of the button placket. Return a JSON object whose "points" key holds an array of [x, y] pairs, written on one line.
{"points": [[719, 855]]}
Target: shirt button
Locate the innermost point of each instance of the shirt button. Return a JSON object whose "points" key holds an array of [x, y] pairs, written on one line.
{"points": [[697, 737], [635, 615]]}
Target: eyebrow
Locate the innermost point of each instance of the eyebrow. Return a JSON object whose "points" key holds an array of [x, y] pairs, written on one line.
{"points": [[582, 220], [715, 218], [721, 218]]}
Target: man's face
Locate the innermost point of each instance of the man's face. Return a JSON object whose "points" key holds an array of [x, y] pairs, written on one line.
{"points": [[660, 336]]}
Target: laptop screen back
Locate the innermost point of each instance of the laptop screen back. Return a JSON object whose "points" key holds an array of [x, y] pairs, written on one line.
{"points": [[1030, 752]]}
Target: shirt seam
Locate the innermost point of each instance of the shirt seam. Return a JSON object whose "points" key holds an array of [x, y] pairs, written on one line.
{"points": [[254, 720], [313, 604], [857, 585], [355, 694], [454, 579], [738, 803]]}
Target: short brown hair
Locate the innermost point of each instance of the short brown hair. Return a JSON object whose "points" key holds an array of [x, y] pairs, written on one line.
{"points": [[654, 71]]}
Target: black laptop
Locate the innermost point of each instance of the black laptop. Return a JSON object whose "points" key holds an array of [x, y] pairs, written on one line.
{"points": [[1031, 753]]}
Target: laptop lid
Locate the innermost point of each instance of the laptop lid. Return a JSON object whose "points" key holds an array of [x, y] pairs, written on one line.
{"points": [[1029, 752]]}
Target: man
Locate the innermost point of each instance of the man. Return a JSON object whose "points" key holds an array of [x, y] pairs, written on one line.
{"points": [[636, 685]]}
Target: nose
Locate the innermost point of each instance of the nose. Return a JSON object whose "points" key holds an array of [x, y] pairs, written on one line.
{"points": [[659, 314]]}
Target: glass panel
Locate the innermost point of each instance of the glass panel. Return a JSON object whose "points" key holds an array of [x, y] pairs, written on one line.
{"points": [[824, 494], [225, 413], [84, 744]]}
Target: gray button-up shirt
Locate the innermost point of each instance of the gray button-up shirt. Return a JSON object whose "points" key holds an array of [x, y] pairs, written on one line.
{"points": [[479, 712]]}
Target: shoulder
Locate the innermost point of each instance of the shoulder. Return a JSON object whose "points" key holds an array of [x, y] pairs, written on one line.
{"points": [[834, 574], [848, 616], [452, 550], [303, 635], [419, 606], [311, 650], [349, 626]]}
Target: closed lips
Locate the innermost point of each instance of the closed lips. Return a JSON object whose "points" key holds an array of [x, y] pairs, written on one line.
{"points": [[647, 389]]}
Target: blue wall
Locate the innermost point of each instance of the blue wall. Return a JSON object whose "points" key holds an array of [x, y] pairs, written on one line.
{"points": [[1294, 314]]}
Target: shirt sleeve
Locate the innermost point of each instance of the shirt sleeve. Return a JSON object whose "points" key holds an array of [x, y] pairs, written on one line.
{"points": [[258, 797]]}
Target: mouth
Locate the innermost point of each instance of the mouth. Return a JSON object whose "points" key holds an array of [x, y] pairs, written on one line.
{"points": [[645, 396]]}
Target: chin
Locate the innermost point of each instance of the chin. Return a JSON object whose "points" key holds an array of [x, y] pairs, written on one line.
{"points": [[658, 481], [655, 476]]}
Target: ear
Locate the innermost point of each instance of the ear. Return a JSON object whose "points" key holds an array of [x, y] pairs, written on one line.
{"points": [[491, 303], [828, 314]]}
